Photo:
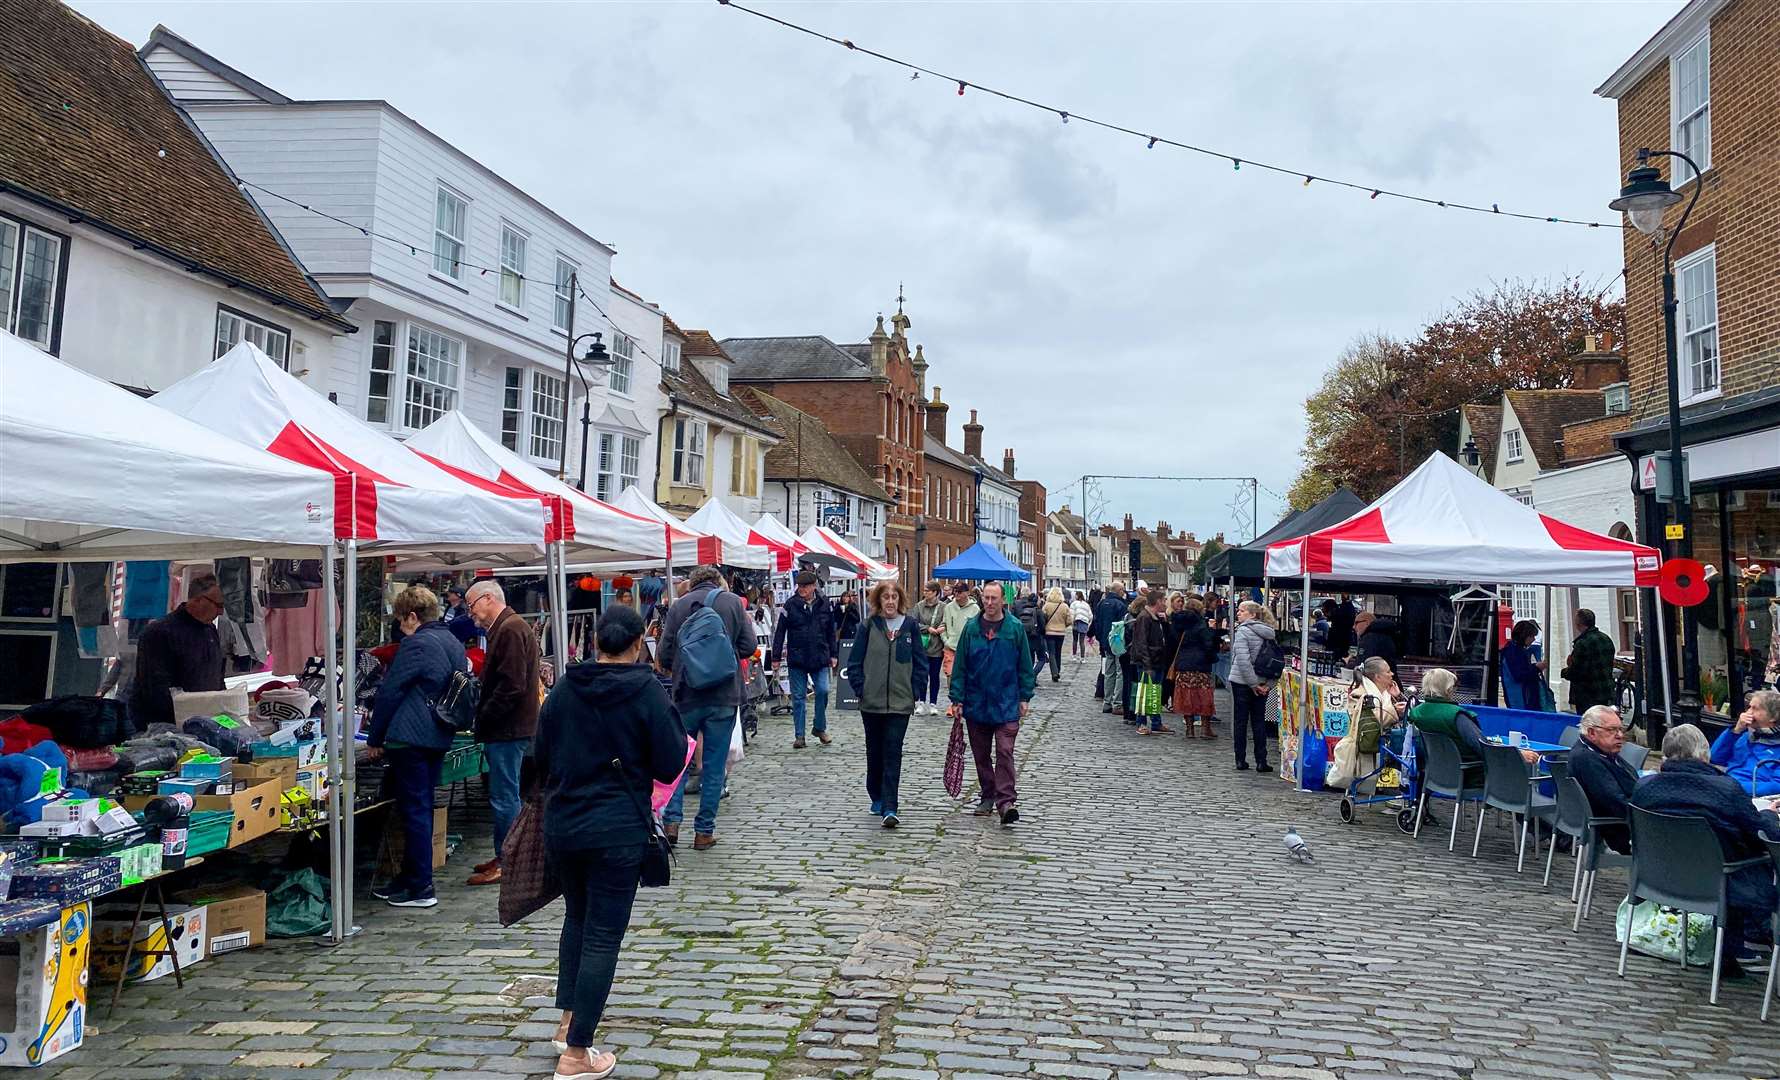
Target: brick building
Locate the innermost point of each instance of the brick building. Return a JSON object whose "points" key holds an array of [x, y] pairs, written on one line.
{"points": [[1708, 84], [871, 396], [947, 524]]}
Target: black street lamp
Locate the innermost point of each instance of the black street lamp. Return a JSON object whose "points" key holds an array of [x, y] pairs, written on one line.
{"points": [[1471, 454], [596, 357], [1644, 199]]}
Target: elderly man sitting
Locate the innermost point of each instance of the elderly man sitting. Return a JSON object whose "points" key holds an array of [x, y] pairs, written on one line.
{"points": [[1750, 752], [1605, 777], [1688, 784]]}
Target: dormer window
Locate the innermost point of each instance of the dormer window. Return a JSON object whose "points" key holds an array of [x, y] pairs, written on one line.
{"points": [[720, 378], [1618, 398]]}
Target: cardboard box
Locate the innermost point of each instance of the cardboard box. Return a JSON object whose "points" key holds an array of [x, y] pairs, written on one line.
{"points": [[75, 810], [314, 781], [111, 932], [46, 1016], [43, 830], [236, 915], [255, 809], [206, 769], [281, 769], [396, 842], [174, 785]]}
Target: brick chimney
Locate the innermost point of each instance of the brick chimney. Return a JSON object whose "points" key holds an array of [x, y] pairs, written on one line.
{"points": [[1163, 532], [973, 437], [1597, 365], [936, 417], [1007, 461]]}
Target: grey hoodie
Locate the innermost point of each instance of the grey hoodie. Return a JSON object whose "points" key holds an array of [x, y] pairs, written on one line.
{"points": [[1243, 644]]}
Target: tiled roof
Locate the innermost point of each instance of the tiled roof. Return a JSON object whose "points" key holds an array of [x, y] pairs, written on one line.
{"points": [[668, 324], [701, 343], [932, 447], [86, 129], [1485, 422], [809, 452], [1543, 414], [770, 359], [690, 387]]}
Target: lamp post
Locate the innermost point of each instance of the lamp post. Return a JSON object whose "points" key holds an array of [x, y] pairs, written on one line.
{"points": [[1644, 198], [596, 356], [1473, 457]]}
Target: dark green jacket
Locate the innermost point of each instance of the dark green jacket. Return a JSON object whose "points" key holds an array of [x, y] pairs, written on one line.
{"points": [[1590, 670], [888, 677], [1455, 721], [990, 677]]}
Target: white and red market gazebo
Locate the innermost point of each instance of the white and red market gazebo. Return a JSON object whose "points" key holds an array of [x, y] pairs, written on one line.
{"points": [[823, 539], [692, 547], [1443, 525], [742, 546], [774, 533]]}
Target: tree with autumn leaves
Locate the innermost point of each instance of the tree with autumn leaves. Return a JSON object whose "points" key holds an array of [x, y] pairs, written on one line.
{"points": [[1387, 404]]}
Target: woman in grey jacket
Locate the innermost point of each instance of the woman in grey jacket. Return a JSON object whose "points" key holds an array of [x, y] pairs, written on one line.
{"points": [[1248, 691], [887, 667]]}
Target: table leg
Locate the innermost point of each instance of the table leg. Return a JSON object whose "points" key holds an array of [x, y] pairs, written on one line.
{"points": [[167, 930], [129, 950]]}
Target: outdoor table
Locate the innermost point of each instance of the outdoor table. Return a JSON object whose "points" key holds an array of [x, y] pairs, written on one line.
{"points": [[171, 952], [1534, 745]]}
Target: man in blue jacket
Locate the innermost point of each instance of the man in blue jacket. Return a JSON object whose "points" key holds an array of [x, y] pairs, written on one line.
{"points": [[1111, 610], [711, 711], [992, 685], [805, 640], [1750, 752]]}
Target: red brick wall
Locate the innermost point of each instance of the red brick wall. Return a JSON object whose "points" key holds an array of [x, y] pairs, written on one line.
{"points": [[945, 536], [1738, 210]]}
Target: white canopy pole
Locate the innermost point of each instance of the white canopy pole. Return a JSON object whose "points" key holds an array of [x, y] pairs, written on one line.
{"points": [[333, 726], [346, 766], [560, 623], [1662, 651]]}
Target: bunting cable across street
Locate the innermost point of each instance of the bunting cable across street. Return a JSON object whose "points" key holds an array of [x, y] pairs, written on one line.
{"points": [[1236, 161]]}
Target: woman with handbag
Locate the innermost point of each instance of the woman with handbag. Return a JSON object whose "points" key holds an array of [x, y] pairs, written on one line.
{"points": [[1196, 647], [606, 734], [411, 739], [887, 669]]}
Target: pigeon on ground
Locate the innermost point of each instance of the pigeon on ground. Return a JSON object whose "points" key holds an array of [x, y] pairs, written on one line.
{"points": [[1296, 845]]}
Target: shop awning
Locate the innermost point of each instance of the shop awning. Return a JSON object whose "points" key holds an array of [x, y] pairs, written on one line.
{"points": [[384, 492], [742, 546], [1442, 524], [824, 540], [95, 473]]}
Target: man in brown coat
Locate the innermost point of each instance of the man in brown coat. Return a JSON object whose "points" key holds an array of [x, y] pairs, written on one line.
{"points": [[507, 714], [1147, 645]]}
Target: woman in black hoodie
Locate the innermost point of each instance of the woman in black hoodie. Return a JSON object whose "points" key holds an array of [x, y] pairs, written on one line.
{"points": [[605, 735]]}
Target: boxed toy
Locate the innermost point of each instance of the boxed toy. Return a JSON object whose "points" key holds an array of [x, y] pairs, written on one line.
{"points": [[43, 987], [140, 862], [111, 936], [67, 881]]}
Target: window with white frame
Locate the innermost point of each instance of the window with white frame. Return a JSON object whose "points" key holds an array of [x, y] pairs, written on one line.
{"points": [[434, 365], [1513, 447], [1690, 81], [512, 407], [624, 351], [565, 297], [513, 244], [689, 452], [1696, 279], [720, 378], [617, 464], [30, 280], [550, 405], [234, 327], [1617, 398], [383, 371], [451, 228], [1524, 495], [670, 355]]}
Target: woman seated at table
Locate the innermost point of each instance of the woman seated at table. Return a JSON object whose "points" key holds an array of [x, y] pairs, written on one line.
{"points": [[1374, 689], [1439, 714]]}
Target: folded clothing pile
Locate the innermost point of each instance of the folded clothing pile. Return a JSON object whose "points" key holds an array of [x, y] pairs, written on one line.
{"points": [[77, 720], [225, 737]]}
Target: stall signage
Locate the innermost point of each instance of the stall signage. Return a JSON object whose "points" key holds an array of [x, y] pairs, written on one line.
{"points": [[1674, 532]]}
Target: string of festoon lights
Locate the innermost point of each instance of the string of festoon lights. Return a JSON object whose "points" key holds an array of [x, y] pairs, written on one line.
{"points": [[1236, 161]]}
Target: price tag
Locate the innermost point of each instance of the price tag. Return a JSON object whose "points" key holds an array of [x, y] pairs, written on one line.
{"points": [[225, 721], [1675, 532]]}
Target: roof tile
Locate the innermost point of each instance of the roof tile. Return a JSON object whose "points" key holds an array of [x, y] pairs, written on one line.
{"points": [[808, 451], [1543, 414]]}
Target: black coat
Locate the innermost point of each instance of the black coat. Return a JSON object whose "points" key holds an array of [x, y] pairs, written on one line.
{"points": [[1696, 788], [1608, 782], [805, 635], [1341, 629], [606, 734], [1380, 639], [174, 651], [1111, 610], [403, 711], [1196, 643]]}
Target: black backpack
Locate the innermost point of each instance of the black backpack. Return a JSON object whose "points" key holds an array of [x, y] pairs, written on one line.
{"points": [[1270, 660]]}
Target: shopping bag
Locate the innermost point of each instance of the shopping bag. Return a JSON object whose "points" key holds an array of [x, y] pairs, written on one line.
{"points": [[1313, 761], [526, 881], [737, 745], [1656, 931], [1149, 696], [955, 749]]}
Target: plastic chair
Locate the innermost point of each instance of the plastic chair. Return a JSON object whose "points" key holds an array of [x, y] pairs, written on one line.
{"points": [[1633, 754], [1678, 862], [1508, 784], [1571, 736], [1576, 819], [1767, 993], [1443, 775]]}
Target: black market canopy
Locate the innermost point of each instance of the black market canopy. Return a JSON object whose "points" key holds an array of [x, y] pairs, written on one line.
{"points": [[1247, 562]]}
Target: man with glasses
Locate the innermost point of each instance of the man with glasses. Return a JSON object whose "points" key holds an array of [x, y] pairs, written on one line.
{"points": [[1605, 777], [507, 712], [179, 651]]}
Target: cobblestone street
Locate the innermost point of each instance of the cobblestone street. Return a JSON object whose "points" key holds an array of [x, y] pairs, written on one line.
{"points": [[1142, 920]]}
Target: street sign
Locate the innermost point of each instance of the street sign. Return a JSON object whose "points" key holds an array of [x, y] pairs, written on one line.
{"points": [[1674, 532], [1654, 476]]}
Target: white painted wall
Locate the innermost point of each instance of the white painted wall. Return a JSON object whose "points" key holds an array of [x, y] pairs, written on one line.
{"points": [[795, 505], [133, 318], [646, 398], [998, 518], [1595, 496], [1511, 475]]}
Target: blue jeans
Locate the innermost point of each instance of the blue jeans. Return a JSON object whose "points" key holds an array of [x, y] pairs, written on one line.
{"points": [[933, 677], [503, 783], [800, 685], [717, 723]]}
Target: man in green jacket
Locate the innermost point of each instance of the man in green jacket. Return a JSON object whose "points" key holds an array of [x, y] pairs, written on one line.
{"points": [[1590, 666], [992, 685]]}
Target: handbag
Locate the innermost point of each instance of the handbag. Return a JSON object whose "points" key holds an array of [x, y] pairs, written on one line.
{"points": [[1175, 659], [527, 882], [954, 774], [658, 858], [455, 707]]}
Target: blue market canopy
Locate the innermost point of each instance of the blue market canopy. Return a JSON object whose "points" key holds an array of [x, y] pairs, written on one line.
{"points": [[980, 562]]}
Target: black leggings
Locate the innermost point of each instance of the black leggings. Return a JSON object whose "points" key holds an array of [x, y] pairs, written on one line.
{"points": [[1251, 716], [1054, 652], [598, 889]]}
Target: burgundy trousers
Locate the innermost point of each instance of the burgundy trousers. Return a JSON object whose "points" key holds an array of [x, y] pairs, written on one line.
{"points": [[997, 776]]}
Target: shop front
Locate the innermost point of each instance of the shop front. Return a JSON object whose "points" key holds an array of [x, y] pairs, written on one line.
{"points": [[1733, 460]]}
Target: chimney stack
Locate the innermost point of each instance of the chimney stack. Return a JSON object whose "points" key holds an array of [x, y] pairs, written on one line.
{"points": [[1597, 365], [936, 417], [1007, 461], [880, 349], [973, 437], [1162, 531], [1127, 526]]}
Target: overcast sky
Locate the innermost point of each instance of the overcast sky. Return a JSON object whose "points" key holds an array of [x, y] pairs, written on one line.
{"points": [[1107, 308]]}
